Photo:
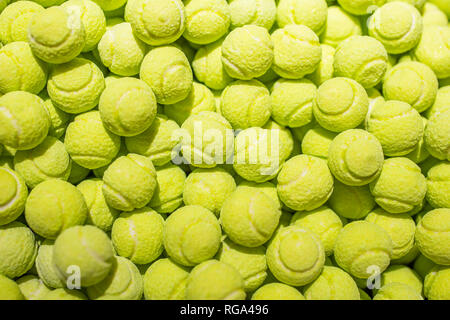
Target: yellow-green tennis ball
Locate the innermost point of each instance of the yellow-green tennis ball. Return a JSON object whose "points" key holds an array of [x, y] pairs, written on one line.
{"points": [[361, 58], [433, 236], [304, 183], [433, 16], [215, 280], [208, 188], [246, 104], [397, 126], [397, 291], [247, 52], [58, 118], [156, 22], [138, 235], [206, 20], [437, 283], [168, 194], [443, 5], [324, 222], [400, 227], [13, 196], [277, 291], [77, 173], [32, 287], [199, 99], [407, 258], [256, 12], [9, 290], [267, 187], [168, 73], [325, 69], [316, 141], [165, 280], [24, 123], [441, 102], [56, 35], [192, 235], [157, 142], [340, 25], [437, 135], [110, 5], [45, 268], [249, 217], [423, 265], [282, 139], [332, 284], [438, 185], [121, 51], [14, 20], [400, 187], [18, 249], [360, 7], [64, 294], [402, 274], [312, 14], [124, 282], [420, 152], [296, 51], [53, 206]]}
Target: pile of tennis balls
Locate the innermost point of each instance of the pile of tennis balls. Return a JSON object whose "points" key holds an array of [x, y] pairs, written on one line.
{"points": [[118, 118]]}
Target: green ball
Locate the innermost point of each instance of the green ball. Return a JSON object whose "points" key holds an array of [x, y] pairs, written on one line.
{"points": [[437, 135], [64, 294], [325, 69], [45, 267], [438, 185], [397, 291], [277, 291], [402, 274], [168, 194], [9, 290], [316, 141], [437, 284], [312, 14], [32, 287], [360, 7], [259, 13], [14, 20], [13, 196], [58, 118], [340, 26]]}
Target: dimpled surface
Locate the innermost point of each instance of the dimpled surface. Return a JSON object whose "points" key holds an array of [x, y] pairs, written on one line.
{"points": [[438, 185], [257, 12], [441, 102], [14, 20], [325, 69], [397, 291], [45, 268], [9, 290], [360, 7], [32, 287], [316, 141], [402, 274], [13, 197], [437, 135], [58, 118], [340, 26], [437, 283], [351, 202], [310, 13], [277, 291], [168, 194]]}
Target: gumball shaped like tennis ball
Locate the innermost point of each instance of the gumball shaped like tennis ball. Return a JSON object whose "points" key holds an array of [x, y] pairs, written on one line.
{"points": [[355, 157], [432, 236], [157, 142], [396, 125], [325, 69], [53, 206], [362, 245], [433, 16], [324, 222], [9, 290], [397, 291], [13, 196], [402, 274], [360, 7], [412, 82], [268, 188], [423, 265], [156, 22], [215, 280], [58, 118], [312, 14], [247, 52], [206, 20], [168, 73], [332, 284], [284, 252], [340, 26], [361, 58], [316, 141], [64, 294], [165, 280], [441, 101], [77, 173], [283, 135], [192, 235], [121, 51], [340, 104], [32, 287], [438, 185], [14, 20], [45, 268], [437, 135], [297, 51], [246, 104], [255, 12], [168, 194], [299, 172], [110, 6], [56, 35], [208, 188], [437, 283], [18, 249], [124, 282], [24, 123], [433, 50], [277, 291]]}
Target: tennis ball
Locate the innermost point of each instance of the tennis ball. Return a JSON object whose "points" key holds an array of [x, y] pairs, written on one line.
{"points": [[397, 291], [360, 7], [199, 99], [206, 20], [138, 235], [18, 249], [64, 294], [78, 173], [157, 142], [361, 58], [443, 5], [351, 202], [433, 50], [247, 52], [32, 287], [304, 183], [109, 5], [156, 22], [362, 245], [53, 206], [316, 141], [281, 135], [246, 104], [9, 290], [208, 188], [256, 12], [396, 125], [438, 185], [433, 16], [165, 280], [402, 274], [441, 102], [168, 73], [277, 291], [312, 14], [437, 135], [332, 284], [249, 217], [13, 197], [296, 51], [56, 35], [58, 118], [400, 187], [45, 268], [432, 236], [267, 187], [423, 265], [215, 280], [168, 194], [437, 283], [340, 25], [121, 51], [325, 69], [420, 152]]}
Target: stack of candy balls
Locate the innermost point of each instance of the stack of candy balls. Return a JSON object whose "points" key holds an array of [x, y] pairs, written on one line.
{"points": [[214, 149]]}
